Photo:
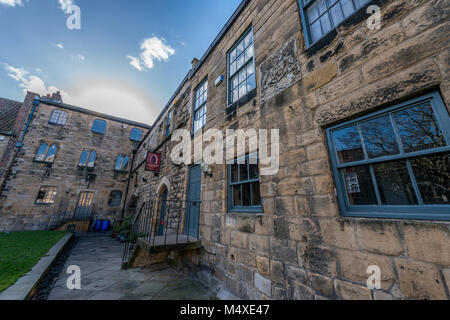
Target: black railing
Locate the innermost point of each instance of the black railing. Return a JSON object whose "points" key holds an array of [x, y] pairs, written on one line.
{"points": [[163, 222]]}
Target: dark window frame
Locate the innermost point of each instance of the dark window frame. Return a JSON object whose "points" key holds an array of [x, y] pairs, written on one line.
{"points": [[306, 24], [245, 65], [46, 200], [168, 125], [244, 209], [115, 204], [420, 211], [204, 104]]}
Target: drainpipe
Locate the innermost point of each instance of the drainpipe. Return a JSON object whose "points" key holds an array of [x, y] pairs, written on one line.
{"points": [[128, 184], [36, 102]]}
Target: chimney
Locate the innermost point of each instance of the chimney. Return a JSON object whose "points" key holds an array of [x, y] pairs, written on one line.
{"points": [[57, 96], [194, 63]]}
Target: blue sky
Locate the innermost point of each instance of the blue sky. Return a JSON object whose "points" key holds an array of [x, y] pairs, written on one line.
{"points": [[127, 59]]}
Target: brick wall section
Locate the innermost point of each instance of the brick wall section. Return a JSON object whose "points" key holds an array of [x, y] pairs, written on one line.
{"points": [[18, 209], [301, 247]]}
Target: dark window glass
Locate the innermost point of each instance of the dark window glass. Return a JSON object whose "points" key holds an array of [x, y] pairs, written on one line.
{"points": [[115, 198], [46, 195], [169, 120], [348, 144], [418, 128], [136, 134], [394, 183], [359, 186], [99, 126], [379, 137], [413, 181], [432, 174], [244, 190]]}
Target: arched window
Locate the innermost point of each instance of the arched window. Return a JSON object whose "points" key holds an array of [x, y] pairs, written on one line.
{"points": [[99, 126], [122, 163], [51, 153], [83, 158], [92, 158], [136, 134], [40, 155], [119, 160], [115, 198], [58, 117]]}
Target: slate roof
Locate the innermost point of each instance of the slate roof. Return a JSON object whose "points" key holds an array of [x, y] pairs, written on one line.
{"points": [[8, 113]]}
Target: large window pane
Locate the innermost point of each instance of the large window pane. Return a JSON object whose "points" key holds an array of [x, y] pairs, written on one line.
{"points": [[347, 7], [394, 183], [379, 137], [246, 195], [418, 128], [432, 174], [237, 195], [40, 155], [348, 145], [359, 186], [336, 14], [83, 158]]}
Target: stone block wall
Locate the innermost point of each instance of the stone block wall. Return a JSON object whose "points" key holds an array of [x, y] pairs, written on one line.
{"points": [[302, 247], [18, 210]]}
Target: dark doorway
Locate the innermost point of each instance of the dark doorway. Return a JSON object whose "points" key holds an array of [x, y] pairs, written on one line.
{"points": [[162, 214], [193, 205]]}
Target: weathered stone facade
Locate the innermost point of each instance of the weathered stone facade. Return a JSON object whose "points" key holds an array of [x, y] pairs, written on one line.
{"points": [[18, 207], [302, 247]]}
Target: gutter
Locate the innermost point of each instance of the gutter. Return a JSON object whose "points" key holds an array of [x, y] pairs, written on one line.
{"points": [[36, 102]]}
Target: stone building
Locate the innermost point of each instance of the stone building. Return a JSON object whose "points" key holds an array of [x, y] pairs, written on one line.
{"points": [[68, 164], [364, 168]]}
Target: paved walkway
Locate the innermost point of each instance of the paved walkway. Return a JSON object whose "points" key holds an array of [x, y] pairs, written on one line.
{"points": [[99, 257]]}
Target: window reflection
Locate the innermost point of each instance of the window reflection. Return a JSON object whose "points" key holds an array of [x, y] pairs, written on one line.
{"points": [[348, 145], [379, 137], [418, 128], [432, 174], [394, 183], [359, 186]]}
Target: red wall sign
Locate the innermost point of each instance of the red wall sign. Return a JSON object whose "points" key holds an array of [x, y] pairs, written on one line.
{"points": [[153, 161]]}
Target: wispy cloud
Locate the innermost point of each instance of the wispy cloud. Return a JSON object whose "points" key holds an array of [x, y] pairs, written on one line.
{"points": [[11, 3], [65, 5], [78, 57], [152, 49], [58, 45], [31, 82]]}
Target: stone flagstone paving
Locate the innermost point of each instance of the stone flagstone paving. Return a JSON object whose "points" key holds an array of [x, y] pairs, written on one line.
{"points": [[99, 257]]}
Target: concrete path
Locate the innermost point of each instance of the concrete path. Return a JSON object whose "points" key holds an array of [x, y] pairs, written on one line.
{"points": [[99, 257]]}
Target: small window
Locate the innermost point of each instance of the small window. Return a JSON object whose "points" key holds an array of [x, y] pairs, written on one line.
{"points": [[241, 68], [200, 99], [99, 126], [319, 17], [169, 120], [42, 151], [58, 117], [136, 134], [46, 154], [46, 195], [121, 163], [87, 159], [243, 185], [115, 198], [395, 163]]}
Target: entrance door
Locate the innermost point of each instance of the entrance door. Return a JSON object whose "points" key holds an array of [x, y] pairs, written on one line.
{"points": [[85, 203], [162, 214], [193, 205]]}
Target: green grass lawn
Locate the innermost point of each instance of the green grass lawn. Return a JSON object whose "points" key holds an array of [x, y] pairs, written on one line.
{"points": [[20, 251]]}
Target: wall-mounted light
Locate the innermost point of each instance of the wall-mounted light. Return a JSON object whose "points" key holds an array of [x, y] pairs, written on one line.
{"points": [[207, 169]]}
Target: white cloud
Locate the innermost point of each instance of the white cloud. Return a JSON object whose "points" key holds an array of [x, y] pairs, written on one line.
{"points": [[153, 48], [31, 82], [11, 3], [135, 62], [65, 4], [78, 57]]}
